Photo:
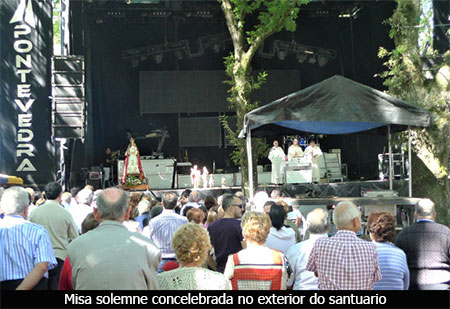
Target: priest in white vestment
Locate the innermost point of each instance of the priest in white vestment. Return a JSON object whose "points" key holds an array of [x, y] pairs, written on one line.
{"points": [[295, 151], [277, 157], [314, 152]]}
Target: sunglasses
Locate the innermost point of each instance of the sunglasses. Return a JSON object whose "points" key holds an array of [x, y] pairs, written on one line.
{"points": [[238, 205]]}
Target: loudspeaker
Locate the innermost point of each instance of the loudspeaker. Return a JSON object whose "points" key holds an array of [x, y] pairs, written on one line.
{"points": [[68, 97]]}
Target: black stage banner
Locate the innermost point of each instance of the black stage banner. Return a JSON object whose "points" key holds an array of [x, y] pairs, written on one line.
{"points": [[230, 299], [26, 149]]}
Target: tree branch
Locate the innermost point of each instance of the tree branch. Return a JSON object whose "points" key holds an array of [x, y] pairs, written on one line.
{"points": [[235, 32]]}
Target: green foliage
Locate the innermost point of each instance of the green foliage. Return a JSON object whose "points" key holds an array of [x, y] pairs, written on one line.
{"points": [[131, 181], [272, 16], [56, 23], [408, 79]]}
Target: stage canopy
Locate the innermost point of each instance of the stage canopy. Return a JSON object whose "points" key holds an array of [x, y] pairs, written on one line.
{"points": [[336, 105]]}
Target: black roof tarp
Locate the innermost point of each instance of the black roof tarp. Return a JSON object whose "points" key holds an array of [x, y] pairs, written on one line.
{"points": [[336, 105]]}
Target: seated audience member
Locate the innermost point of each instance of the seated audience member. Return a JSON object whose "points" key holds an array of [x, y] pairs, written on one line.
{"points": [[191, 244], [276, 194], [162, 228], [280, 237], [427, 247], [393, 266], [226, 233], [293, 224], [343, 261], [89, 223], [59, 224], [259, 200], [110, 257], [196, 215], [298, 254], [83, 207], [268, 205], [257, 267], [26, 252]]}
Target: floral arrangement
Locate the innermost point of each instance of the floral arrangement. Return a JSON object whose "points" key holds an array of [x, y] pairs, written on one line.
{"points": [[132, 181]]}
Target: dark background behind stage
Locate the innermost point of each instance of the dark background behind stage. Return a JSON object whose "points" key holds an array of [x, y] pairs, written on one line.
{"points": [[114, 83]]}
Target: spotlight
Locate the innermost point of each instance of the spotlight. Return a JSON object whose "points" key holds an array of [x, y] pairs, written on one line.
{"points": [[281, 54], [301, 57], [312, 60], [178, 54], [216, 47], [134, 62], [158, 58], [322, 61]]}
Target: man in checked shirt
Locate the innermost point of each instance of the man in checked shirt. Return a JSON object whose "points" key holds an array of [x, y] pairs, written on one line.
{"points": [[345, 262]]}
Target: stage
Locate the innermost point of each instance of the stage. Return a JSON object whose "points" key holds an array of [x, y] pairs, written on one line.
{"points": [[325, 191]]}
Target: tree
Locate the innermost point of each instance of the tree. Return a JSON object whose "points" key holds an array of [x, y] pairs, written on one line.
{"points": [[429, 88], [272, 16]]}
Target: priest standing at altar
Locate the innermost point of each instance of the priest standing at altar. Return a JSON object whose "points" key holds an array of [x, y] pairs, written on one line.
{"points": [[314, 152], [295, 151], [277, 157]]}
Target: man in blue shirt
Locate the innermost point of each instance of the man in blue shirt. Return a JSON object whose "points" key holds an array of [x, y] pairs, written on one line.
{"points": [[26, 253]]}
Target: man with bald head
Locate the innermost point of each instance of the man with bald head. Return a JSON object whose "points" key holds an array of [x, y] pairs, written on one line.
{"points": [[110, 257], [427, 247], [345, 262]]}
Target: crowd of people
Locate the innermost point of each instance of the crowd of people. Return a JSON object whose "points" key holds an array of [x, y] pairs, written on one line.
{"points": [[110, 239]]}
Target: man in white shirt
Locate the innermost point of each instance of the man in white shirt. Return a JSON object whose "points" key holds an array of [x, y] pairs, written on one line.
{"points": [[80, 211], [295, 151], [277, 157], [318, 226], [314, 152]]}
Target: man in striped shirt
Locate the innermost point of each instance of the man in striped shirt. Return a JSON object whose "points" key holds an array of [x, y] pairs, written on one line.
{"points": [[164, 226], [345, 262], [26, 253]]}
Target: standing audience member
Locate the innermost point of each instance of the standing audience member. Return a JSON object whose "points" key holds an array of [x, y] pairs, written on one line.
{"points": [[83, 207], [162, 228], [110, 257], [210, 202], [194, 202], [427, 247], [59, 224], [89, 223], [66, 198], [143, 213], [226, 233], [130, 223], [26, 252], [394, 269], [345, 262], [257, 267], [196, 215], [280, 237], [191, 244], [31, 194], [318, 226]]}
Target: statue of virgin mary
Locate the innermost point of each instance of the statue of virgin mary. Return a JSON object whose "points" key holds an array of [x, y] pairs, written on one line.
{"points": [[132, 165]]}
